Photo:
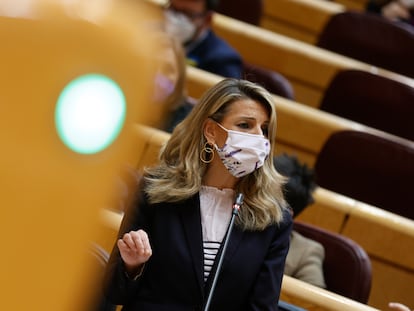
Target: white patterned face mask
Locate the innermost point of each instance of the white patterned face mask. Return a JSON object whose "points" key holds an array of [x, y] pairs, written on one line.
{"points": [[242, 152]]}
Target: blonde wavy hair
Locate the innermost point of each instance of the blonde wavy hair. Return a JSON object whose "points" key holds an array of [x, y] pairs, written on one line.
{"points": [[180, 171]]}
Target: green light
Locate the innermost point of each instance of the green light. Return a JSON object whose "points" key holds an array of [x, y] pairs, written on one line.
{"points": [[90, 113]]}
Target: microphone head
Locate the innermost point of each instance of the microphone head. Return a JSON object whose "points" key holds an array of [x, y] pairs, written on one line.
{"points": [[239, 199]]}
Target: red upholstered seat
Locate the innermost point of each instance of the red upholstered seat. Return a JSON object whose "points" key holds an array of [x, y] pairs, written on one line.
{"points": [[373, 100], [269, 79], [369, 168], [347, 267], [372, 39]]}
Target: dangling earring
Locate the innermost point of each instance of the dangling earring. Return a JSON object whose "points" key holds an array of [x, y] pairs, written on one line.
{"points": [[207, 153]]}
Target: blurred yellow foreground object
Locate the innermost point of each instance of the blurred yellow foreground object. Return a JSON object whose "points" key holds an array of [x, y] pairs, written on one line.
{"points": [[75, 75]]}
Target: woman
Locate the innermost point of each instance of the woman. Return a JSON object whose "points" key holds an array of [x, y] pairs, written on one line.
{"points": [[164, 259], [169, 87]]}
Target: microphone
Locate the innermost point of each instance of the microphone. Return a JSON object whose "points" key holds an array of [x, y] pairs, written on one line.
{"points": [[238, 202]]}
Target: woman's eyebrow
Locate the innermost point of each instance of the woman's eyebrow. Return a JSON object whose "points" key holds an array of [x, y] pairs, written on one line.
{"points": [[250, 118], [246, 118]]}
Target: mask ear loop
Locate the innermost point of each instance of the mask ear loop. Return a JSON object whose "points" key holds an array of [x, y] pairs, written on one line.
{"points": [[222, 127], [207, 153]]}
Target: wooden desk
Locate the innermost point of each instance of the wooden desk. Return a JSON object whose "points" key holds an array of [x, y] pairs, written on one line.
{"points": [[299, 19]]}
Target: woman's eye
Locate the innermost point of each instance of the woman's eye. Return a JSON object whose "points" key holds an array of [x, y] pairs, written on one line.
{"points": [[243, 125], [265, 131]]}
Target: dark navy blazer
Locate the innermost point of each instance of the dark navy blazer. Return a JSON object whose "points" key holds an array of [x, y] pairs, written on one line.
{"points": [[215, 55], [172, 279]]}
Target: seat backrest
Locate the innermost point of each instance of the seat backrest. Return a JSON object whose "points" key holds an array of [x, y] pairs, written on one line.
{"points": [[249, 11], [269, 79], [372, 39], [368, 168], [347, 267], [373, 100]]}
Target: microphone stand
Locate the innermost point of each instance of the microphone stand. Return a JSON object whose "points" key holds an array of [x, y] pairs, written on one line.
{"points": [[236, 207]]}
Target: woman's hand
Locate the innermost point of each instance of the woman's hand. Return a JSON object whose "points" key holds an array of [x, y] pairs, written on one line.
{"points": [[398, 306], [395, 11], [135, 250]]}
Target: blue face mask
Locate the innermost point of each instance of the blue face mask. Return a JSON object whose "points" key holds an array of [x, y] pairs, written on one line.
{"points": [[242, 152]]}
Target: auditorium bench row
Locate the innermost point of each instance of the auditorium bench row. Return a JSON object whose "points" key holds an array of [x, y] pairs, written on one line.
{"points": [[352, 4], [304, 19], [309, 69], [301, 19]]}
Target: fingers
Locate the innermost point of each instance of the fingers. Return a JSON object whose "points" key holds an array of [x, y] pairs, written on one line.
{"points": [[398, 306], [141, 242], [394, 11], [144, 242], [136, 242]]}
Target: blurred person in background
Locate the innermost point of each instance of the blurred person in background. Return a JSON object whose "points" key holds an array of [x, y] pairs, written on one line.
{"points": [[169, 83], [190, 22], [305, 257], [171, 86]]}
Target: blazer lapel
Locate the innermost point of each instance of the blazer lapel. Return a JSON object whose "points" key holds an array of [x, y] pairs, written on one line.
{"points": [[191, 220], [234, 242]]}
